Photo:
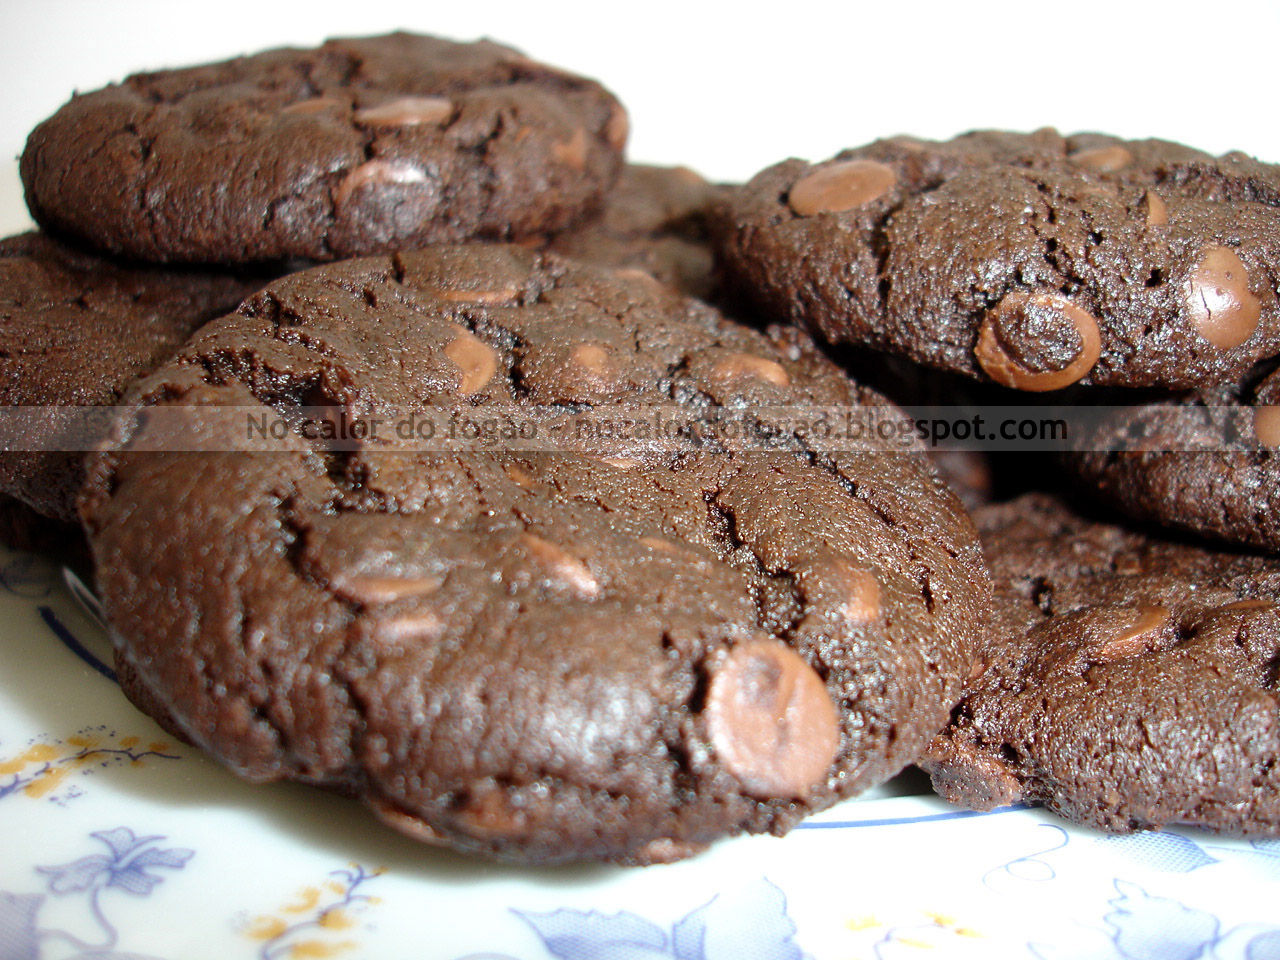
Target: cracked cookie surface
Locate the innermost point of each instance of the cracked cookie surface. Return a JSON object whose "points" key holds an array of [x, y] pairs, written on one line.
{"points": [[75, 331], [1032, 260], [359, 146], [1130, 682], [1205, 463], [535, 655]]}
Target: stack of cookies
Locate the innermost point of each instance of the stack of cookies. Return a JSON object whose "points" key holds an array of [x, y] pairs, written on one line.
{"points": [[1130, 675], [623, 651]]}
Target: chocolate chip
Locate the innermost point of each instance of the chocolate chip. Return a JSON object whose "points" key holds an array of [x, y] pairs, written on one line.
{"points": [[1266, 425], [618, 127], [834, 584], [1219, 302], [406, 823], [667, 850], [377, 173], [738, 365], [863, 597], [1157, 211], [501, 295], [564, 568], [475, 359], [489, 812], [841, 186], [374, 589], [1103, 159], [1037, 342], [419, 624], [312, 105], [636, 274], [573, 152], [406, 112], [521, 478], [1245, 605], [1141, 636], [592, 358], [772, 723]]}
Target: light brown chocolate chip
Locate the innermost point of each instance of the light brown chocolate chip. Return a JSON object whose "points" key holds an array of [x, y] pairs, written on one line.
{"points": [[519, 477], [833, 584], [1141, 636], [1266, 425], [666, 850], [377, 173], [618, 127], [592, 358], [406, 823], [1157, 211], [683, 551], [863, 593], [406, 112], [489, 813], [312, 105], [635, 273], [1103, 159], [662, 546], [563, 566], [416, 625], [737, 365], [371, 590], [772, 724], [1219, 302], [477, 362], [1000, 367], [1245, 605], [573, 152], [841, 186], [457, 295]]}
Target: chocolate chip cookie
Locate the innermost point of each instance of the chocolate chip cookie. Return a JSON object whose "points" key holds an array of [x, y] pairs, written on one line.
{"points": [[655, 221], [1131, 682], [1204, 463], [75, 330], [1032, 260], [542, 655], [359, 146]]}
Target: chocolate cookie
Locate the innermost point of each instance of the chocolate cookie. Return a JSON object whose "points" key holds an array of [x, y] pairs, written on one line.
{"points": [[1205, 463], [75, 331], [360, 146], [610, 652], [1131, 682], [1035, 261], [655, 221], [24, 529]]}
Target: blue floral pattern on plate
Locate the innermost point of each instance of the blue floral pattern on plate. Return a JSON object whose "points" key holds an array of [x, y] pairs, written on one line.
{"points": [[129, 865]]}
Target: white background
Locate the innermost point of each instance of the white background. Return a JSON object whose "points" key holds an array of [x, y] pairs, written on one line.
{"points": [[729, 89]]}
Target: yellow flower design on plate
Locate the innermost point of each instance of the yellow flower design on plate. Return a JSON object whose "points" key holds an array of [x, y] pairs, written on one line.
{"points": [[43, 767], [306, 925]]}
